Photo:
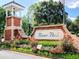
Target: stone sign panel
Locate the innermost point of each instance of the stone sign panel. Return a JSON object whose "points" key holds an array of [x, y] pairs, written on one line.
{"points": [[50, 32], [55, 34]]}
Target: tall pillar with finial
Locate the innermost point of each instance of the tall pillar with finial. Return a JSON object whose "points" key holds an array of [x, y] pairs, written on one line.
{"points": [[12, 21]]}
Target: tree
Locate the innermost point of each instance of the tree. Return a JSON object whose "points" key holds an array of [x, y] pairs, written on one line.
{"points": [[77, 20], [47, 12], [74, 27], [2, 21], [76, 23], [68, 23], [26, 25]]}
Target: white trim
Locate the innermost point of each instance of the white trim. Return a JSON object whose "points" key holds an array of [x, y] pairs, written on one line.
{"points": [[21, 22], [12, 5], [12, 11], [6, 13], [14, 27], [4, 35]]}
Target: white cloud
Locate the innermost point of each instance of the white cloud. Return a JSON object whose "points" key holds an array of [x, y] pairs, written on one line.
{"points": [[72, 18], [72, 3]]}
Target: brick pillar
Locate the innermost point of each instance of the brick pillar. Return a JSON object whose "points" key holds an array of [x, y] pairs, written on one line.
{"points": [[12, 23]]}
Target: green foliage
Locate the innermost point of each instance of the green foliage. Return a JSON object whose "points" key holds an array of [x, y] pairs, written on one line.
{"points": [[47, 12], [23, 50], [16, 43], [58, 56], [68, 23], [77, 26], [2, 21], [47, 54], [21, 46], [71, 56], [44, 52], [77, 20], [5, 45], [27, 27], [74, 28], [25, 23], [49, 43], [19, 42], [68, 47]]}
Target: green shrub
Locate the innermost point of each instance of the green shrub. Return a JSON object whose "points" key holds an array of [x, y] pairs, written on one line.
{"points": [[71, 56], [24, 50], [34, 47], [23, 41], [49, 43], [5, 45], [68, 47], [16, 43], [42, 53]]}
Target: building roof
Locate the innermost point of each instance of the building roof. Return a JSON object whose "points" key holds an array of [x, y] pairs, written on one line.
{"points": [[13, 3]]}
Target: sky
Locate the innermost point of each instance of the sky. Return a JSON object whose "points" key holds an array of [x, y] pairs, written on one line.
{"points": [[71, 6]]}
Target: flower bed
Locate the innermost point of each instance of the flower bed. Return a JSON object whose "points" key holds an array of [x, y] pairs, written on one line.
{"points": [[28, 49]]}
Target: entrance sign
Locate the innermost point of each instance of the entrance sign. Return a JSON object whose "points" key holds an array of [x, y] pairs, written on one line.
{"points": [[49, 32], [52, 34]]}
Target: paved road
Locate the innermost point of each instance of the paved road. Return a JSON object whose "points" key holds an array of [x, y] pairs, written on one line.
{"points": [[5, 54]]}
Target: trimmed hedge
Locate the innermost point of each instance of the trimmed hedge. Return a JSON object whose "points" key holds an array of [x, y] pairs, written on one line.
{"points": [[50, 43]]}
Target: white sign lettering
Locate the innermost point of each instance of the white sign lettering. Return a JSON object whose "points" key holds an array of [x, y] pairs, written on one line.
{"points": [[55, 34]]}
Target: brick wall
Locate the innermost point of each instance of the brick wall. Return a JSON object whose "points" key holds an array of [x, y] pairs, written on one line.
{"points": [[8, 21], [7, 34], [17, 21]]}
